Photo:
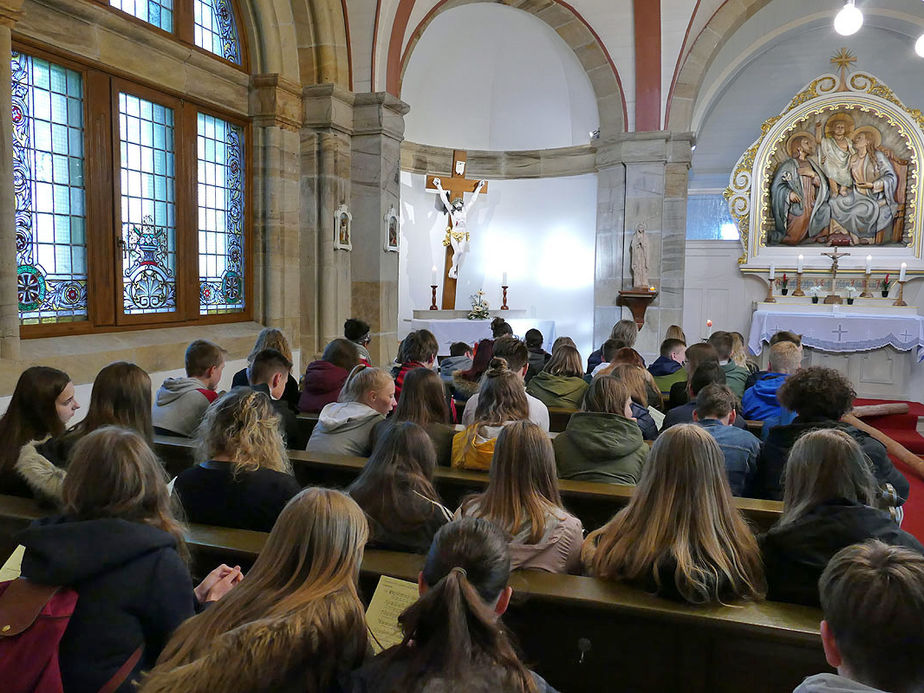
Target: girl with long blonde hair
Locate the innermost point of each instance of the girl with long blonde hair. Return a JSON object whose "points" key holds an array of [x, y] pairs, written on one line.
{"points": [[243, 478], [522, 498], [680, 536], [501, 400], [295, 622], [271, 338], [643, 391], [828, 498], [561, 383]]}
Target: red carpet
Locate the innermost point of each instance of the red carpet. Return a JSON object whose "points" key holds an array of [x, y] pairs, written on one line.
{"points": [[903, 429]]}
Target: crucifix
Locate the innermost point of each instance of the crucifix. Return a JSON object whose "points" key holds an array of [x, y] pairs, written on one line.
{"points": [[835, 256], [451, 191]]}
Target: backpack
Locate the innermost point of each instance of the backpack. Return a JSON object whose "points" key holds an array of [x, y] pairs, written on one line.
{"points": [[33, 619]]}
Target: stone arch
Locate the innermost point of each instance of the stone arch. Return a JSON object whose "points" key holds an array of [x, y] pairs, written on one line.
{"points": [[567, 23]]}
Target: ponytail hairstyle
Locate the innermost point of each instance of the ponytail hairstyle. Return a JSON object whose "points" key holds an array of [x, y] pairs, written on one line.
{"points": [[502, 397], [451, 634], [32, 413], [361, 380]]}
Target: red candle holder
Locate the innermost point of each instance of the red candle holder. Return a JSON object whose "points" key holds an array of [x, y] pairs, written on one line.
{"points": [[504, 306], [433, 305]]}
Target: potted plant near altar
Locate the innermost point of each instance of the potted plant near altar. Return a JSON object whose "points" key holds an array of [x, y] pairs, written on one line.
{"points": [[815, 292], [784, 284], [851, 294], [885, 286], [480, 307]]}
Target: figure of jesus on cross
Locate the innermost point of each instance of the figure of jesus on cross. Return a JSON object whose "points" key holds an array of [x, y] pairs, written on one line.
{"points": [[450, 190]]}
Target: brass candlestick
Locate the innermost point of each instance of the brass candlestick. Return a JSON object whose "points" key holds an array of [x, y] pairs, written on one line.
{"points": [[798, 291], [865, 293], [770, 298], [433, 305], [504, 306], [900, 301]]}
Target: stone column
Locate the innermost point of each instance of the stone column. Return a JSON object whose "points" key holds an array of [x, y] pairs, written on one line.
{"points": [[611, 211], [276, 108], [378, 129], [10, 12]]}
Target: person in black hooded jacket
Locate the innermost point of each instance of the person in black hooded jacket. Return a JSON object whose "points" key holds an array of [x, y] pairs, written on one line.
{"points": [[826, 507], [819, 397], [118, 545]]}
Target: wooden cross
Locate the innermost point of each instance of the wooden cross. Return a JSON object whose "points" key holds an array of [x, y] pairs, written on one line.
{"points": [[456, 185], [836, 255]]}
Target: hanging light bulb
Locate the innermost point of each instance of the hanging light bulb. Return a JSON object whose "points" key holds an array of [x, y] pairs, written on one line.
{"points": [[919, 46], [849, 20]]}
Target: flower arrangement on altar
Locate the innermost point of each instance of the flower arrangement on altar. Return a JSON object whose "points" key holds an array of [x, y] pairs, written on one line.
{"points": [[784, 284], [480, 307], [815, 292], [852, 293], [885, 286]]}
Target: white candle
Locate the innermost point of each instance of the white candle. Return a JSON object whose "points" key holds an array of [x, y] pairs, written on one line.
{"points": [[504, 280], [869, 264], [772, 272], [801, 263], [433, 276], [901, 275]]}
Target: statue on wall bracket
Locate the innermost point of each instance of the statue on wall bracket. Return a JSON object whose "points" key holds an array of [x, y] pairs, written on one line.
{"points": [[840, 166]]}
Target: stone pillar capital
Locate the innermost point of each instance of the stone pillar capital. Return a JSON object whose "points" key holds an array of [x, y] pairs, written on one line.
{"points": [[327, 106], [644, 148], [275, 102], [379, 113], [10, 12]]}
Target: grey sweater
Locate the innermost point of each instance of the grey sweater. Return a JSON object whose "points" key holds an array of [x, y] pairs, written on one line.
{"points": [[180, 404], [344, 428]]}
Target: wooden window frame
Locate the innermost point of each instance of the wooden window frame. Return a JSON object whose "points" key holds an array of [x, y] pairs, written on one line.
{"points": [[103, 206]]}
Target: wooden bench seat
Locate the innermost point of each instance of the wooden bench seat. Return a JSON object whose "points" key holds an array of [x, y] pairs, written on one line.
{"points": [[594, 503], [637, 642]]}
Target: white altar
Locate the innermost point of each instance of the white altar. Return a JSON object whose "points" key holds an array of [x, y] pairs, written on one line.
{"points": [[471, 331]]}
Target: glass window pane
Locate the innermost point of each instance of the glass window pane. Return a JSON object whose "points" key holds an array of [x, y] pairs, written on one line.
{"points": [[148, 227], [156, 12], [221, 216], [708, 218], [47, 108], [216, 30]]}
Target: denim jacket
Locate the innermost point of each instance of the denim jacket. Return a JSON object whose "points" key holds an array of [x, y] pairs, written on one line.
{"points": [[741, 450]]}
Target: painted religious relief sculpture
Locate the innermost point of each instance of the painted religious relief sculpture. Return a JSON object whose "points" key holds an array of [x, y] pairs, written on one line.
{"points": [[457, 235], [799, 194], [638, 249]]}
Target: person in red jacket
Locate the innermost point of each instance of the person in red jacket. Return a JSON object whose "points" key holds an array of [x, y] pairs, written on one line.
{"points": [[324, 378]]}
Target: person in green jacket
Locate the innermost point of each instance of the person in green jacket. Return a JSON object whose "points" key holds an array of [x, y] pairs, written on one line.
{"points": [[735, 376], [561, 382], [602, 442]]}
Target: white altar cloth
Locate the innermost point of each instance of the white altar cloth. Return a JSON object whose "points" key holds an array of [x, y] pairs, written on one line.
{"points": [[837, 331], [471, 331]]}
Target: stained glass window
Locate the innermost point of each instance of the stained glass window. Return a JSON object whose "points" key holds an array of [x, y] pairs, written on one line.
{"points": [[48, 186], [156, 12], [221, 215], [148, 206], [216, 30]]}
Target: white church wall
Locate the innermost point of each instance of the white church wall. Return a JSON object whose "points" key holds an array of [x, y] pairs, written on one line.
{"points": [[540, 231], [505, 81]]}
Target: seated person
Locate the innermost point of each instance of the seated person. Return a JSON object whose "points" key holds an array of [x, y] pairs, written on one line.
{"points": [[538, 356], [829, 491], [423, 402], [181, 402], [522, 498], [819, 397], [418, 350], [459, 359], [500, 328], [872, 598], [466, 383], [697, 354], [608, 353], [625, 332], [345, 426], [636, 380], [602, 442], [502, 401], [715, 412], [560, 383], [668, 368], [781, 336], [453, 638], [681, 536], [357, 332], [759, 402], [395, 490], [516, 357], [271, 338], [268, 373], [735, 375], [324, 378], [244, 478], [675, 332], [709, 373]]}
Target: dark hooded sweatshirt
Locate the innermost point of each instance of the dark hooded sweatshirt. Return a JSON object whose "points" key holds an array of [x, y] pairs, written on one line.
{"points": [[132, 587], [600, 447], [323, 382]]}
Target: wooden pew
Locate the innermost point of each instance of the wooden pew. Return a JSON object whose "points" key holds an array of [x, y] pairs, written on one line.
{"points": [[594, 503], [559, 418], [644, 643]]}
